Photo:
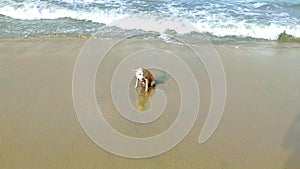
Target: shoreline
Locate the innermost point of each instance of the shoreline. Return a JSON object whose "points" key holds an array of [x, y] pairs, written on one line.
{"points": [[282, 37]]}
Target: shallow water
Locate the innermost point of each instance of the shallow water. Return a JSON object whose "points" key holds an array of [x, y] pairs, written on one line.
{"points": [[260, 19]]}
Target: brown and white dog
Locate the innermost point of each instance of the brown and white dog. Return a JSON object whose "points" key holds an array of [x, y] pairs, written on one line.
{"points": [[145, 78]]}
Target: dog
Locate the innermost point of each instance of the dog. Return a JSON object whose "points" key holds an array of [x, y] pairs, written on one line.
{"points": [[145, 78]]}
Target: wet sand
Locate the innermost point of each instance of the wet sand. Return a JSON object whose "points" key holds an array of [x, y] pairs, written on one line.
{"points": [[39, 127]]}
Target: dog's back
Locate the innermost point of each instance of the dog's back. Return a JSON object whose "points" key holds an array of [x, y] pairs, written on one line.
{"points": [[148, 75]]}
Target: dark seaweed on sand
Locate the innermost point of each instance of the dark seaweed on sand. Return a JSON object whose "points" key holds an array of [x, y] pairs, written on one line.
{"points": [[284, 37]]}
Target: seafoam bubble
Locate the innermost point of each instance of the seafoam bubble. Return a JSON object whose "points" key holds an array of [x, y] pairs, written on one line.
{"points": [[259, 4]]}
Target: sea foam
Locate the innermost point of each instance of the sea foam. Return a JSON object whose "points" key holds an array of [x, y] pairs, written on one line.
{"points": [[252, 19]]}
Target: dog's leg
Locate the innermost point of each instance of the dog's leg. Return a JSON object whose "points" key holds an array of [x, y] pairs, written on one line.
{"points": [[136, 83], [146, 87]]}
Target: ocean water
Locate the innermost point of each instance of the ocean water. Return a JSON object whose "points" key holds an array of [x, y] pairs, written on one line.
{"points": [[252, 19]]}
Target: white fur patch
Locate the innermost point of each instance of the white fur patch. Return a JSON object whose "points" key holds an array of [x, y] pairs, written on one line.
{"points": [[139, 74]]}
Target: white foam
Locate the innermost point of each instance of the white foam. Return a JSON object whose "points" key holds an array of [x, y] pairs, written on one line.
{"points": [[226, 28], [242, 29], [259, 4], [215, 24], [155, 24], [35, 11]]}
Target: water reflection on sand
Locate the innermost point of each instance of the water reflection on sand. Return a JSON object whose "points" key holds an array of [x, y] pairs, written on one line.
{"points": [[143, 98]]}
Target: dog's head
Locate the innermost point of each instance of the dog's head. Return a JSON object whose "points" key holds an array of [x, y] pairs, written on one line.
{"points": [[139, 73]]}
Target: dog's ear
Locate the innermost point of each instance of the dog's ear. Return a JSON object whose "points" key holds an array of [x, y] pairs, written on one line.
{"points": [[135, 70]]}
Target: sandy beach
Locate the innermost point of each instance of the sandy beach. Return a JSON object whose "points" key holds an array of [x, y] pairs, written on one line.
{"points": [[39, 128]]}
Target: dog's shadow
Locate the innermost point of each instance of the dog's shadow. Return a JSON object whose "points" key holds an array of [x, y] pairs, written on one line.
{"points": [[161, 79]]}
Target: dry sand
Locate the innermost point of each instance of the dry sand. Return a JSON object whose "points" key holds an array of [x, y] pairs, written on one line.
{"points": [[39, 128]]}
